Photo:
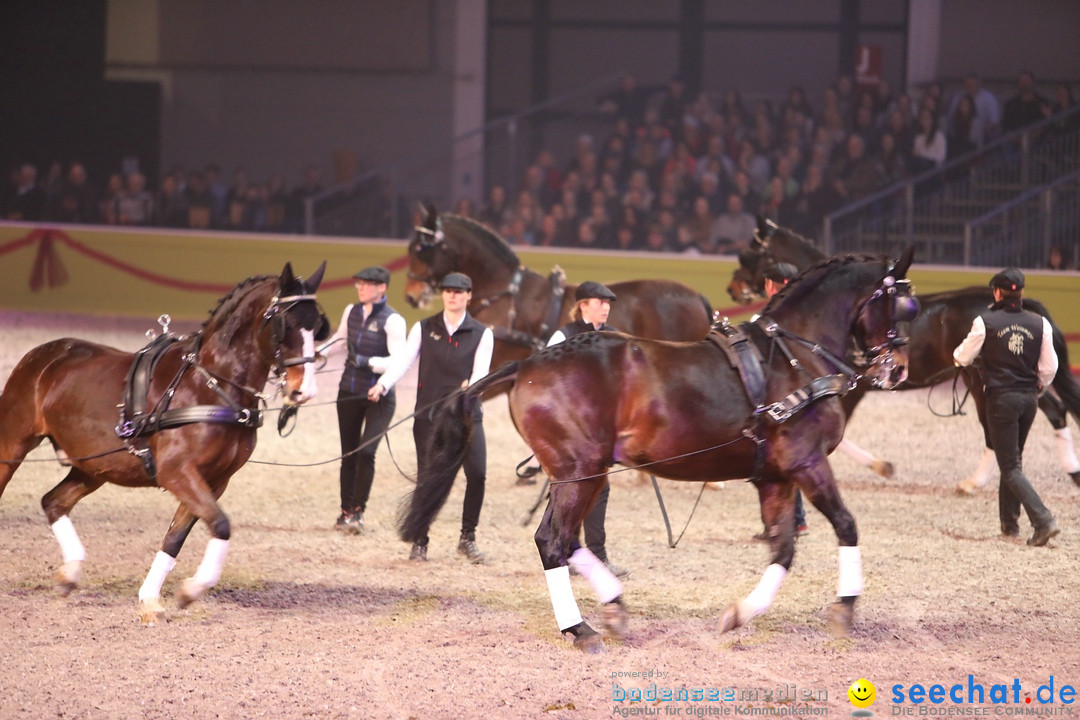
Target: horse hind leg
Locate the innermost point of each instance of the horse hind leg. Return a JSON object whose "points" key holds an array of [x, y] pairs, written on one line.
{"points": [[1056, 412], [554, 539], [57, 504]]}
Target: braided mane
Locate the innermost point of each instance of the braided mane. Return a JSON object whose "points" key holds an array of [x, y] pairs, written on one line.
{"points": [[798, 286], [228, 303]]}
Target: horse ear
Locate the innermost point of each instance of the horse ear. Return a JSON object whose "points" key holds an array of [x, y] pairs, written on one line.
{"points": [[762, 226], [901, 267], [312, 283], [432, 215], [287, 276]]}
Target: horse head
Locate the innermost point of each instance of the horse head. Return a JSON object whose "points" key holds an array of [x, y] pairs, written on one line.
{"points": [[298, 323], [770, 244], [873, 294], [429, 260], [880, 326]]}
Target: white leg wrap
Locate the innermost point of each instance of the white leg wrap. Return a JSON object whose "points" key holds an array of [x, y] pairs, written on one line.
{"points": [[762, 596], [159, 569], [213, 561], [606, 586], [1066, 452], [987, 465], [850, 581], [308, 386], [71, 548], [567, 614], [856, 453]]}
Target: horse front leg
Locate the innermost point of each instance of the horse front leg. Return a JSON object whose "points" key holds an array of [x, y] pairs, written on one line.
{"points": [[151, 611], [57, 504], [201, 502], [819, 485], [777, 498]]}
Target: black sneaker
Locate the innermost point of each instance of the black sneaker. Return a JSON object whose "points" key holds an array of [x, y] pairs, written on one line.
{"points": [[350, 523], [467, 547], [1042, 535], [418, 552]]}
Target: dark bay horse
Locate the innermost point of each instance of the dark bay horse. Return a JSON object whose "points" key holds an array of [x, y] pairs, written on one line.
{"points": [[942, 324], [203, 399], [757, 401], [524, 308]]}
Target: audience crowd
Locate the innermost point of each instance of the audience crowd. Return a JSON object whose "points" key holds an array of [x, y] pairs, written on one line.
{"points": [[676, 172]]}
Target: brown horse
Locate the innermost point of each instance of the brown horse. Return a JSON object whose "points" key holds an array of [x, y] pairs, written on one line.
{"points": [[191, 407], [757, 403], [944, 322], [522, 307]]}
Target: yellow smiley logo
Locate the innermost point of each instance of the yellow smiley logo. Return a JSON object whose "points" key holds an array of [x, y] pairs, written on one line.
{"points": [[862, 693]]}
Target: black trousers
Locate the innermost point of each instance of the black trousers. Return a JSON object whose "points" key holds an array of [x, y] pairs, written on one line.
{"points": [[1009, 416], [360, 420], [475, 467]]}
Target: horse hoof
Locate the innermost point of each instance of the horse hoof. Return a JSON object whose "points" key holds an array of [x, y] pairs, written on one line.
{"points": [[840, 617], [151, 612], [884, 468], [965, 487], [731, 618], [190, 591], [616, 620], [67, 577], [587, 640]]}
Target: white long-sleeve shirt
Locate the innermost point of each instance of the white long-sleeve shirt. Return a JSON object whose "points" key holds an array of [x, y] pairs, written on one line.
{"points": [[969, 349], [400, 364]]}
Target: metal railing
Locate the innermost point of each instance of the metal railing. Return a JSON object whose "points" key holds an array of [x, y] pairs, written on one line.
{"points": [[1021, 232], [932, 210], [380, 203]]}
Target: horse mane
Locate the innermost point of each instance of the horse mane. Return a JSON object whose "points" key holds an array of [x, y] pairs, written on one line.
{"points": [[491, 240], [229, 301], [800, 242], [799, 286]]}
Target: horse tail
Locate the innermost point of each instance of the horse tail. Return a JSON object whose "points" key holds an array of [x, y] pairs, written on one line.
{"points": [[444, 455], [1064, 383]]}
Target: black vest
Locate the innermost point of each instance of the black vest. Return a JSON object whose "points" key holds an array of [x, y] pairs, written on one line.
{"points": [[366, 339], [446, 361], [1012, 347], [580, 326]]}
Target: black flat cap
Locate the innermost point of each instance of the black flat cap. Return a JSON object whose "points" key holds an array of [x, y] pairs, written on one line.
{"points": [[591, 289], [1008, 279], [780, 272], [456, 281], [373, 274]]}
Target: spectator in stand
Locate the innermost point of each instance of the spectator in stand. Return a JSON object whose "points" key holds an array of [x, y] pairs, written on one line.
{"points": [[170, 204], [699, 225], [219, 191], [627, 100], [496, 211], [585, 235], [1056, 259], [754, 163], [893, 159], [238, 210], [114, 186], [78, 200], [465, 207], [716, 161], [625, 238], [817, 198], [549, 230], [656, 242], [985, 109], [1063, 100], [962, 130], [713, 193], [744, 188], [734, 229], [673, 106], [28, 201], [777, 206], [865, 122], [1026, 107], [277, 203], [856, 173], [200, 202], [639, 194], [929, 149], [135, 204], [551, 178]]}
